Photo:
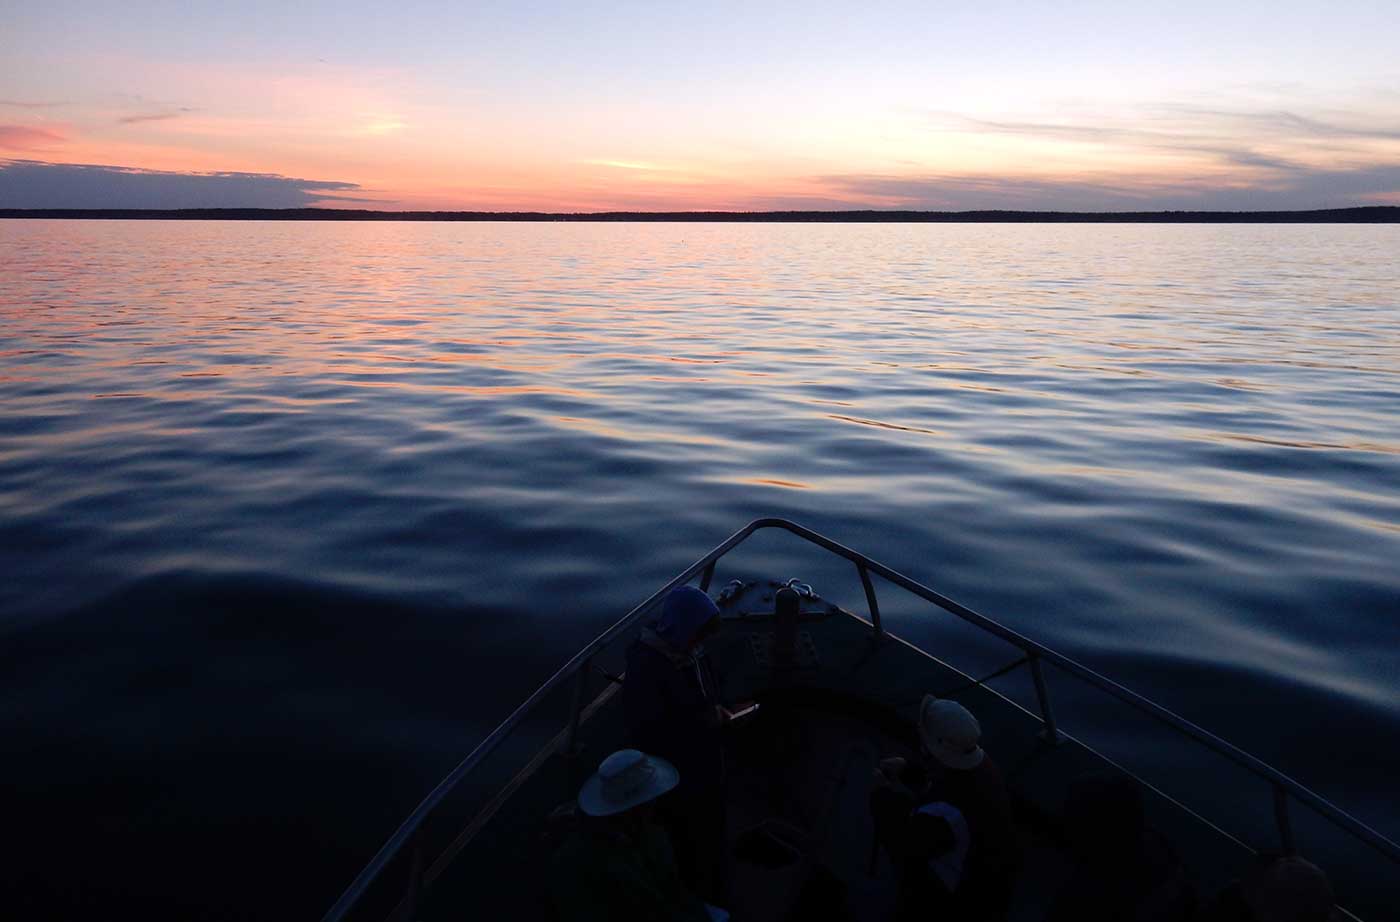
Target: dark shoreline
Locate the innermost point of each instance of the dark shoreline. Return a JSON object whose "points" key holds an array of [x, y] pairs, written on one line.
{"points": [[1375, 214]]}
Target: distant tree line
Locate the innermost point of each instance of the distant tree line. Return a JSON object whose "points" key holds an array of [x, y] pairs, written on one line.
{"points": [[1374, 214]]}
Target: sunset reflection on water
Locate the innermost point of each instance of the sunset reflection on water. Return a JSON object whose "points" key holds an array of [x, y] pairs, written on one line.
{"points": [[1169, 451]]}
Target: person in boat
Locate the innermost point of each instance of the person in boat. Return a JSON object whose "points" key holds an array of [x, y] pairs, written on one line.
{"points": [[1277, 888], [956, 770], [672, 706], [928, 847], [1123, 869], [617, 865]]}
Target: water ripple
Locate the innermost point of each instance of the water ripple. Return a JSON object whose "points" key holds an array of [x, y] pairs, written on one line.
{"points": [[345, 492]]}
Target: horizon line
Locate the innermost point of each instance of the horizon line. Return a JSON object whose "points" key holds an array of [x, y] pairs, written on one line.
{"points": [[1362, 214]]}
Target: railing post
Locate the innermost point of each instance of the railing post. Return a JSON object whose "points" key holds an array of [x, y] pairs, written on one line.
{"points": [[576, 710], [706, 576], [1048, 731], [870, 599], [1285, 825]]}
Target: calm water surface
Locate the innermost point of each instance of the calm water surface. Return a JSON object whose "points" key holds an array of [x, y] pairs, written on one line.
{"points": [[292, 514]]}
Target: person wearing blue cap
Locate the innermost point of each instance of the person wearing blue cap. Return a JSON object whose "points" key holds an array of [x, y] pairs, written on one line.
{"points": [[671, 700]]}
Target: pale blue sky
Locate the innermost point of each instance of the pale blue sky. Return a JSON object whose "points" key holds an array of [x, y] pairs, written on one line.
{"points": [[723, 104]]}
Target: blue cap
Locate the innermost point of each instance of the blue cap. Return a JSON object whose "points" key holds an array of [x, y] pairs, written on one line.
{"points": [[687, 609]]}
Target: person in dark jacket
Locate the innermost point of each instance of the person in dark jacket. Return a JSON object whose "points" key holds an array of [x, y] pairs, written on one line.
{"points": [[671, 702], [1276, 889], [928, 847], [957, 771], [618, 866], [1123, 869]]}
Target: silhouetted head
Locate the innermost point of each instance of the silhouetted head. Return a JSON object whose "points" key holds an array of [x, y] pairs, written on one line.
{"points": [[687, 617], [950, 733], [1288, 889]]}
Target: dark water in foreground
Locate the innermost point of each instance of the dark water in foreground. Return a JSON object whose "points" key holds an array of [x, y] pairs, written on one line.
{"points": [[292, 515]]}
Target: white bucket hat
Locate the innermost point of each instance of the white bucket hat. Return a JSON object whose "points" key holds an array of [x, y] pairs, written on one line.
{"points": [[950, 733], [626, 779]]}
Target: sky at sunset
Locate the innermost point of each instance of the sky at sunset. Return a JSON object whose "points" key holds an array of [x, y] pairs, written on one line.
{"points": [[661, 106]]}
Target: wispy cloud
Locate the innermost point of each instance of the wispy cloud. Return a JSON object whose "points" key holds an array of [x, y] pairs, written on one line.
{"points": [[25, 138], [1232, 133], [1286, 124], [378, 127], [635, 165], [1293, 186], [1166, 155], [1067, 131], [37, 184], [29, 104], [154, 116]]}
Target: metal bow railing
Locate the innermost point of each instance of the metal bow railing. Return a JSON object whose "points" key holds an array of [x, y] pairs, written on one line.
{"points": [[405, 838]]}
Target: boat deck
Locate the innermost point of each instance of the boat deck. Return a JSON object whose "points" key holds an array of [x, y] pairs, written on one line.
{"points": [[802, 768]]}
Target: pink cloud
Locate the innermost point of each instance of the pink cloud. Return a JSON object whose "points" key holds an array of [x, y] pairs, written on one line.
{"points": [[21, 137]]}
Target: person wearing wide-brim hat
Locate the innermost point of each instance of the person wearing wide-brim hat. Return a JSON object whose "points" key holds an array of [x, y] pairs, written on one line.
{"points": [[618, 865], [956, 770], [626, 780], [672, 703]]}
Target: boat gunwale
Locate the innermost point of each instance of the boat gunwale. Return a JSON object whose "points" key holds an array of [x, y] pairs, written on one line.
{"points": [[1283, 785]]}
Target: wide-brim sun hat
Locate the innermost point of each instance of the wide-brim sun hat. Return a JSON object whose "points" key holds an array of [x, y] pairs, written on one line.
{"points": [[950, 733], [626, 779]]}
